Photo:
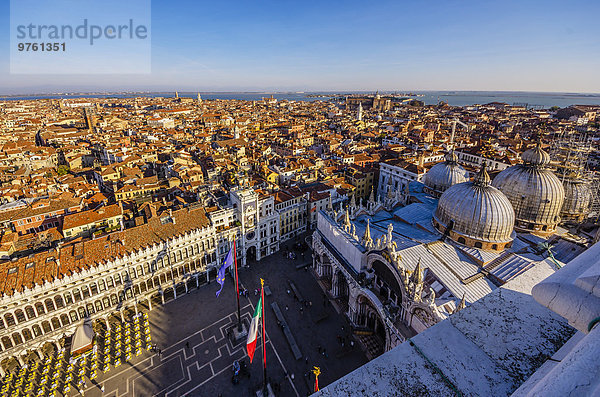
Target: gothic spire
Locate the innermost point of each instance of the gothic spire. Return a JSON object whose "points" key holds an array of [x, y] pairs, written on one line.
{"points": [[417, 275], [347, 219], [367, 240]]}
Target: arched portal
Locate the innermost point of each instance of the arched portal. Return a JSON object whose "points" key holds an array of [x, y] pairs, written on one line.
{"points": [[251, 254], [156, 299], [169, 294], [143, 306], [340, 287], [369, 326], [180, 288], [340, 290], [386, 283], [191, 282], [327, 268]]}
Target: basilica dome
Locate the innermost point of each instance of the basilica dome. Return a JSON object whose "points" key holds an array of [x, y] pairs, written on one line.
{"points": [[443, 175], [578, 195], [476, 214], [535, 193]]}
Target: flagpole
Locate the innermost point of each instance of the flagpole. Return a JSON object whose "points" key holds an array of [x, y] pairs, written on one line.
{"points": [[262, 295], [237, 287]]}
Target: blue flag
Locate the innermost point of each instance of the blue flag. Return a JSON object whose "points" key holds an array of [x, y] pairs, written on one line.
{"points": [[221, 274]]}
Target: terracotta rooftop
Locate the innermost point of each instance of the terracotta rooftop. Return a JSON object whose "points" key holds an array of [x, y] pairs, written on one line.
{"points": [[84, 254], [91, 216], [40, 207]]}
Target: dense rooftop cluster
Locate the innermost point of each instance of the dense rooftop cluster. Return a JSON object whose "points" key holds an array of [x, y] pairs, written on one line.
{"points": [[80, 175]]}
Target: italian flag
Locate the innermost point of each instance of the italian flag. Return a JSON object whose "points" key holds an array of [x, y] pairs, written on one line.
{"points": [[253, 332]]}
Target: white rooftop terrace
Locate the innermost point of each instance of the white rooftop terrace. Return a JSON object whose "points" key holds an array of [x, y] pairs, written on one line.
{"points": [[491, 347]]}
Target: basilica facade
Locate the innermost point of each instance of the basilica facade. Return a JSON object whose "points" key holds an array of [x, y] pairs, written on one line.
{"points": [[420, 252]]}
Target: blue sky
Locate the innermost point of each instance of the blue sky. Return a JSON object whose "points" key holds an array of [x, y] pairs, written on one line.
{"points": [[352, 45]]}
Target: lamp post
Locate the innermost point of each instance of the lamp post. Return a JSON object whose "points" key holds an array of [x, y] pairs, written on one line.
{"points": [[317, 372]]}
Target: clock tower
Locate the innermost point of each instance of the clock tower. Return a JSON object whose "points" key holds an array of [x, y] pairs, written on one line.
{"points": [[245, 202], [259, 223]]}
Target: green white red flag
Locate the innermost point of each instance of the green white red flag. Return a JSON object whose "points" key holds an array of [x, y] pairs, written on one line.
{"points": [[253, 331]]}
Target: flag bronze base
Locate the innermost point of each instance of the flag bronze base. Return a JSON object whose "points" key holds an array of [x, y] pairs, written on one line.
{"points": [[237, 334], [259, 392]]}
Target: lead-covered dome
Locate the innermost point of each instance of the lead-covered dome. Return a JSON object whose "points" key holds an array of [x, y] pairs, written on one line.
{"points": [[476, 214], [535, 193], [445, 174], [536, 156], [578, 196]]}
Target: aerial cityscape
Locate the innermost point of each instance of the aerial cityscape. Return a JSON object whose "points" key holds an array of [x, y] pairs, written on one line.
{"points": [[284, 209]]}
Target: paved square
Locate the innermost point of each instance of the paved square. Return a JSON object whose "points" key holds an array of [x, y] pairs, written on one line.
{"points": [[197, 355]]}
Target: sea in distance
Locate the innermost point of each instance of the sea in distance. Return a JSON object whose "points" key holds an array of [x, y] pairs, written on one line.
{"points": [[455, 98]]}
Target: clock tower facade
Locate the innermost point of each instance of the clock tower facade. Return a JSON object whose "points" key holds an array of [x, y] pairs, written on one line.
{"points": [[259, 224]]}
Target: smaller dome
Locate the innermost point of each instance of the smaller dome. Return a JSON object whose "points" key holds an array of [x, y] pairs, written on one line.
{"points": [[536, 194], [578, 196], [445, 174], [536, 157]]}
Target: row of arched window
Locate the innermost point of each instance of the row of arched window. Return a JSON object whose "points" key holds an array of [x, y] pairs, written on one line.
{"points": [[81, 293], [50, 325]]}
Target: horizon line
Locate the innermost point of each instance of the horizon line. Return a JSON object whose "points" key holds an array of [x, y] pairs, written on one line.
{"points": [[108, 92]]}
